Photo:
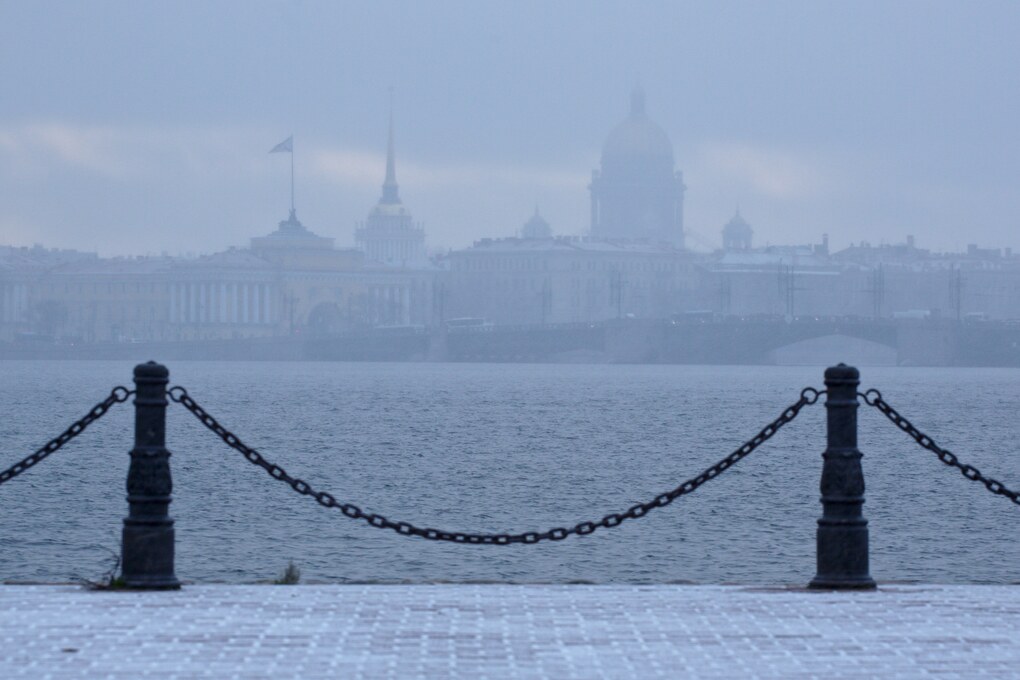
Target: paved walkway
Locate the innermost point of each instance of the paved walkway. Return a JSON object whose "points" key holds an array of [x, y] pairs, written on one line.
{"points": [[501, 631]]}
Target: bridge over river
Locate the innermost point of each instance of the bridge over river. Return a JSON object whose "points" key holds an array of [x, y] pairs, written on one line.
{"points": [[686, 341], [738, 341]]}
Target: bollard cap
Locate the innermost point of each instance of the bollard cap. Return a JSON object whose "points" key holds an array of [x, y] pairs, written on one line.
{"points": [[151, 370], [841, 373]]}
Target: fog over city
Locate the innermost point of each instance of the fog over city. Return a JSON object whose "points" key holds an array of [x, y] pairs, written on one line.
{"points": [[143, 127], [531, 339]]}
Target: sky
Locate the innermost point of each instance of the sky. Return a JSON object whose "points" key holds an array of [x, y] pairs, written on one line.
{"points": [[143, 127]]}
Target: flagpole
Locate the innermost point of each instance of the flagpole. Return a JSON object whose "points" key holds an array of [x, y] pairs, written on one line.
{"points": [[288, 146]]}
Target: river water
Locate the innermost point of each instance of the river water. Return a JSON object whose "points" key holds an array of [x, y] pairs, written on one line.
{"points": [[510, 447]]}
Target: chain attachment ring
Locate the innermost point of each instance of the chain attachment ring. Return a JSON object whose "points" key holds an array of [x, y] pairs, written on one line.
{"points": [[871, 397], [810, 395]]}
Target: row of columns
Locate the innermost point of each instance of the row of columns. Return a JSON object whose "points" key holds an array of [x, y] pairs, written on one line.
{"points": [[13, 302], [391, 304], [395, 250], [243, 303]]}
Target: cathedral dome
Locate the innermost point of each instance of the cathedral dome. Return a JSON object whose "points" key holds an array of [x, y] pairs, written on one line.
{"points": [[637, 138], [637, 194]]}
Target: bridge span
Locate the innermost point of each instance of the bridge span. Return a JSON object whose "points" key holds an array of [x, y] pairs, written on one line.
{"points": [[727, 341], [686, 341]]}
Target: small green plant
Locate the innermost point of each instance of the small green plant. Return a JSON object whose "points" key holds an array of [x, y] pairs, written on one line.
{"points": [[291, 576]]}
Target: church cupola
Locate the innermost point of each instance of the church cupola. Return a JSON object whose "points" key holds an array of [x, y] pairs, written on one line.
{"points": [[536, 227], [737, 233]]}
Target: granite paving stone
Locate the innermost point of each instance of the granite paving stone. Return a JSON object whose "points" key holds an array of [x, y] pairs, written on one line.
{"points": [[509, 631]]}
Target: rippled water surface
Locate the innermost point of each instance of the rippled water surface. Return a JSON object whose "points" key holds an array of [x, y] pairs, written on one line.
{"points": [[510, 448]]}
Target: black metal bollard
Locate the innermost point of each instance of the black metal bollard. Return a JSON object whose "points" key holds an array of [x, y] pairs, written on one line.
{"points": [[842, 529], [147, 540]]}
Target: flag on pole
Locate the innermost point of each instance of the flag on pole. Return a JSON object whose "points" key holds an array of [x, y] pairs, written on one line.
{"points": [[286, 145]]}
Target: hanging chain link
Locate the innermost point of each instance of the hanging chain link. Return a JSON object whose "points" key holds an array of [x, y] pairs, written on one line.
{"points": [[118, 395], [874, 398], [180, 395]]}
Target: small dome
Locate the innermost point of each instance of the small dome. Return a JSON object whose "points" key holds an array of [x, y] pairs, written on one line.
{"points": [[737, 225], [637, 137], [536, 227], [737, 233]]}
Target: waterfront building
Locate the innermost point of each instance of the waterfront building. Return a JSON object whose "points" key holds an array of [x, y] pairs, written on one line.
{"points": [[888, 281], [567, 280], [21, 271], [289, 282], [637, 194], [906, 281], [775, 281], [292, 282]]}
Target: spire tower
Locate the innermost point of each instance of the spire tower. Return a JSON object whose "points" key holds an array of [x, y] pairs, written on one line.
{"points": [[390, 195], [389, 236]]}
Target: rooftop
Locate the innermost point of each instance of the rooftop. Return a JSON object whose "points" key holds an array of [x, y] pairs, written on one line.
{"points": [[565, 244]]}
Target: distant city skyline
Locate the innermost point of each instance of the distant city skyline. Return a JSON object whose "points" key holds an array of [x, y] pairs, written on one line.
{"points": [[140, 128]]}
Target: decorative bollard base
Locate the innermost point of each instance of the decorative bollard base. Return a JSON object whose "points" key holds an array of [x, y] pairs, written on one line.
{"points": [[148, 560]]}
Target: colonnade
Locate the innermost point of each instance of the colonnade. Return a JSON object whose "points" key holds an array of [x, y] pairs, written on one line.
{"points": [[235, 303], [13, 302], [391, 305]]}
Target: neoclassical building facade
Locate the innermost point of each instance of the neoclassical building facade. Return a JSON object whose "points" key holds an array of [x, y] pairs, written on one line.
{"points": [[289, 282]]}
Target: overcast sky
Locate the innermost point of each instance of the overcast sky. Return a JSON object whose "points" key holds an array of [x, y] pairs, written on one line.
{"points": [[141, 127]]}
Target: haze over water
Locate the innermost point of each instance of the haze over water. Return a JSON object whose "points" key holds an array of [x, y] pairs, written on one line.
{"points": [[483, 447]]}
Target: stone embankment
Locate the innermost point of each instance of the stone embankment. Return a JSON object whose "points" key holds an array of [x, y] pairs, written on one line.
{"points": [[509, 631]]}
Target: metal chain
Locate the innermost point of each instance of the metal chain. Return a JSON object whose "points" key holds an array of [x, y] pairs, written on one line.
{"points": [[180, 395], [118, 395], [874, 398]]}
